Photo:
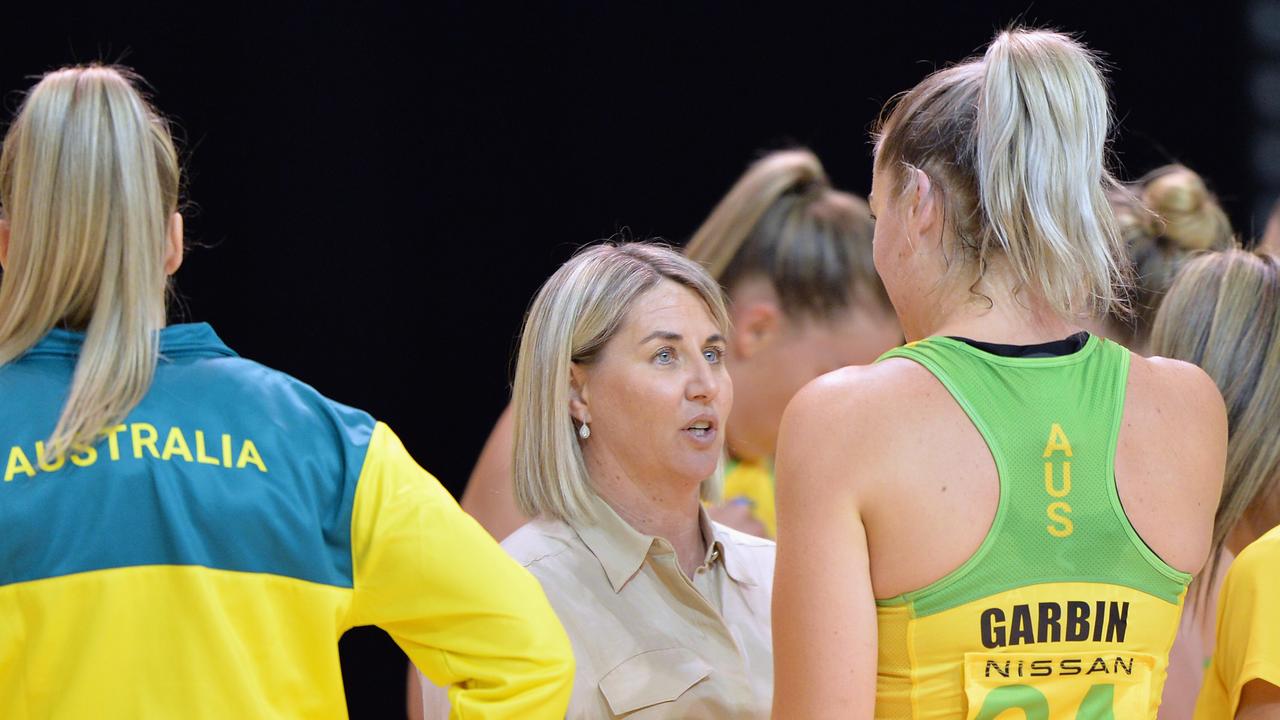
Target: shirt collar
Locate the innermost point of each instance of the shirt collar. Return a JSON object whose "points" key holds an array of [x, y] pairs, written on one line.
{"points": [[734, 566], [183, 340], [621, 549]]}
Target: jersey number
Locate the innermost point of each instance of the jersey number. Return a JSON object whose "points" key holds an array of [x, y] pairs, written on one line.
{"points": [[1096, 705]]}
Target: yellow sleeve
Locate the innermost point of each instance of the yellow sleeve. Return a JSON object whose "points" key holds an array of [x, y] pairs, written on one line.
{"points": [[467, 615], [1248, 642]]}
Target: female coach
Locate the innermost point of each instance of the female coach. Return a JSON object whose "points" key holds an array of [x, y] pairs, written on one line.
{"points": [[620, 399]]}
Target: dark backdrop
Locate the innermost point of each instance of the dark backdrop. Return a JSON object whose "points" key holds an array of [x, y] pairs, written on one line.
{"points": [[376, 191]]}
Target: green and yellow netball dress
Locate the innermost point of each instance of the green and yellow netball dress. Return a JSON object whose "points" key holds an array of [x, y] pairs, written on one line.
{"points": [[1063, 611]]}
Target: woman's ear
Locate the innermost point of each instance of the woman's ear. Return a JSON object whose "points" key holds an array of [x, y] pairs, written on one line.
{"points": [[578, 393], [173, 245], [756, 324], [926, 211]]}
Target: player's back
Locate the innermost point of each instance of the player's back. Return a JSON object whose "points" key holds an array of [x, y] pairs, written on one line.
{"points": [[1008, 571], [197, 560]]}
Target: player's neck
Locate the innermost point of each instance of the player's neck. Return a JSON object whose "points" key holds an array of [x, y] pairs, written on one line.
{"points": [[993, 311]]}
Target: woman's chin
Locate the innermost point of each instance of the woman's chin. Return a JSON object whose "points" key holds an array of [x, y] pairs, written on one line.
{"points": [[691, 474]]}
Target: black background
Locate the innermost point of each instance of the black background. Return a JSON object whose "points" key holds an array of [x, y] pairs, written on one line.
{"points": [[376, 191]]}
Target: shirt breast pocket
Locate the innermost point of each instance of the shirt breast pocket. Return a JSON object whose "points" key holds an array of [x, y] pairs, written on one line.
{"points": [[652, 678]]}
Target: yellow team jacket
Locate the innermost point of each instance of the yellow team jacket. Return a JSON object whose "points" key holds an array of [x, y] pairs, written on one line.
{"points": [[203, 558]]}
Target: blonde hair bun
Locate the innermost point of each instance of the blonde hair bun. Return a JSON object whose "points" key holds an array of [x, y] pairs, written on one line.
{"points": [[1191, 217]]}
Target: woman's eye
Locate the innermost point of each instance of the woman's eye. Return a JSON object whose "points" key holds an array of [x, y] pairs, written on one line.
{"points": [[713, 355], [664, 357]]}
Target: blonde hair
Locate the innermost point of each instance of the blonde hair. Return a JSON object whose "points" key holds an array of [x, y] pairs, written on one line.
{"points": [[1015, 143], [575, 314], [1164, 217], [88, 180], [1223, 314], [782, 220]]}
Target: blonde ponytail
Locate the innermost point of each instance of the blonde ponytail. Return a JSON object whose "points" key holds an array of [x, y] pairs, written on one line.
{"points": [[1016, 143], [783, 221], [1041, 138], [88, 180], [721, 236]]}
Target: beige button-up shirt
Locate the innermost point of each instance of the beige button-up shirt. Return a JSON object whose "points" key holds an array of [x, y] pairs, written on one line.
{"points": [[649, 641]]}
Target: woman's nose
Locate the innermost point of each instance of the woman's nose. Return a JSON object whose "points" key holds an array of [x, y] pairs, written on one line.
{"points": [[703, 383]]}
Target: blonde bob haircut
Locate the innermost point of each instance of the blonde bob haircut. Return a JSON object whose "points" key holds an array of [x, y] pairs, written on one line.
{"points": [[88, 181], [1015, 142], [574, 315], [1223, 314]]}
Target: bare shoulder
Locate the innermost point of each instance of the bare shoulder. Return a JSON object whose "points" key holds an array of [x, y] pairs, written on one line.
{"points": [[862, 392], [1176, 394], [852, 419], [1171, 456]]}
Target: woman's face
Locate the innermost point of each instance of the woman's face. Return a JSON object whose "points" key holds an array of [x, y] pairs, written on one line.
{"points": [[657, 395]]}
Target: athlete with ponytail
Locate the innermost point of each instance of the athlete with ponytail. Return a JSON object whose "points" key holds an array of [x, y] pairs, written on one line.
{"points": [[794, 255], [188, 533], [1004, 513]]}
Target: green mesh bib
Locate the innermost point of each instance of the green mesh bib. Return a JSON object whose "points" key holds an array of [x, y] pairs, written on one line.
{"points": [[1051, 425]]}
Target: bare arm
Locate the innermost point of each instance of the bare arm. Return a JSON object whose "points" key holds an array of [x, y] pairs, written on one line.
{"points": [[490, 494], [1260, 700], [824, 618]]}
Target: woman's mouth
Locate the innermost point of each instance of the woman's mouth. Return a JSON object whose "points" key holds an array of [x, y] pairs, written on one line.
{"points": [[702, 431]]}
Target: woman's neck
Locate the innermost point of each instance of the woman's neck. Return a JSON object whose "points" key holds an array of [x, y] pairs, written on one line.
{"points": [[657, 508], [992, 312]]}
